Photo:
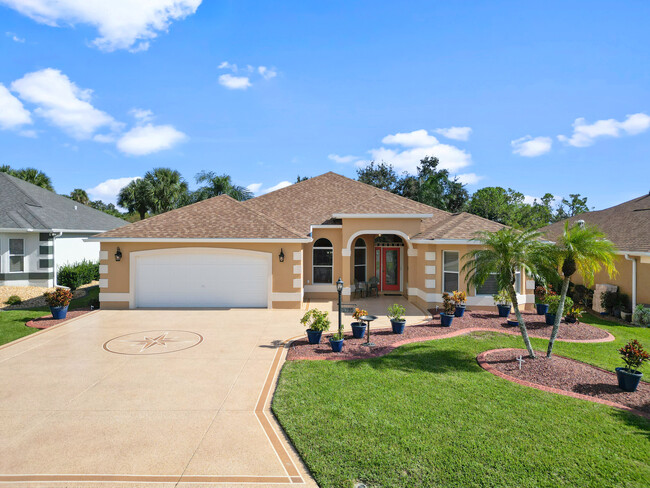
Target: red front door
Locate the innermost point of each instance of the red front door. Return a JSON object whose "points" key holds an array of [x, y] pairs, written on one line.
{"points": [[390, 273]]}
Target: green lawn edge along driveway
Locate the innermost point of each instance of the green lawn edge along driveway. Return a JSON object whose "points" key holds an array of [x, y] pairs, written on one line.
{"points": [[428, 415]]}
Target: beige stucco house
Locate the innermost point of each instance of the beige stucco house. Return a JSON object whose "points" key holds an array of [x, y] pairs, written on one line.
{"points": [[289, 246]]}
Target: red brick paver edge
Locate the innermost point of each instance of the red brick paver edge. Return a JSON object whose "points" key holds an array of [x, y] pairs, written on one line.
{"points": [[482, 361]]}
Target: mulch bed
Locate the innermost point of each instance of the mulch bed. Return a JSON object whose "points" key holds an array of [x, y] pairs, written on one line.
{"points": [[566, 376], [386, 341], [47, 321]]}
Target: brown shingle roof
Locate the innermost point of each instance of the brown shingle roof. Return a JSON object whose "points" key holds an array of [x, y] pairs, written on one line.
{"points": [[627, 225], [220, 217], [456, 226]]}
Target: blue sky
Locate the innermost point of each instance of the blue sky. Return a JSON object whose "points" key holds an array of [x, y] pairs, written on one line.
{"points": [[91, 94]]}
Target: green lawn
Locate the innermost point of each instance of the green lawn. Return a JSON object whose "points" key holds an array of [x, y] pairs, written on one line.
{"points": [[12, 322], [428, 415]]}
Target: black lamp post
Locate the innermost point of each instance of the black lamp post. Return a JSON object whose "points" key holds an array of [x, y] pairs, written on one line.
{"points": [[339, 289]]}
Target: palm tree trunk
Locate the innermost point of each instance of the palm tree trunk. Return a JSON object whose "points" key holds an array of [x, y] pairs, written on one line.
{"points": [[558, 316], [520, 320]]}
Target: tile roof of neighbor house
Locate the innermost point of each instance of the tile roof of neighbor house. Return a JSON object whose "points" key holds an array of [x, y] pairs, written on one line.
{"points": [[290, 212], [627, 225], [27, 206]]}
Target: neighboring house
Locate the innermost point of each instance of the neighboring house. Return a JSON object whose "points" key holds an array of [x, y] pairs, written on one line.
{"points": [[41, 231], [628, 226], [283, 248]]}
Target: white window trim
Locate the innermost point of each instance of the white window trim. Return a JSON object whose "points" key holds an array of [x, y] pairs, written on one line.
{"points": [[517, 289], [9, 256], [314, 248], [365, 250], [444, 272]]}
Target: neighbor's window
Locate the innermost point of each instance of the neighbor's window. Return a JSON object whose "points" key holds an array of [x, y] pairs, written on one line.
{"points": [[16, 255], [490, 286], [360, 260], [450, 271], [323, 261]]}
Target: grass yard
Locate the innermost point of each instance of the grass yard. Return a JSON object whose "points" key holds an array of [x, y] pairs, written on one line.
{"points": [[12, 322], [428, 415]]}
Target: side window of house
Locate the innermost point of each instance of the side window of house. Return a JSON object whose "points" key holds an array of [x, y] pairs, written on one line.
{"points": [[490, 286], [323, 261], [16, 255], [450, 271], [360, 260]]}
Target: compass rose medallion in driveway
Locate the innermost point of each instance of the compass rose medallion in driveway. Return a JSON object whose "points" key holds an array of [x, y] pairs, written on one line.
{"points": [[153, 342]]}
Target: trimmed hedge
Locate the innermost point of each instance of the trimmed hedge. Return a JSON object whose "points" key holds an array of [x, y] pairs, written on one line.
{"points": [[75, 275]]}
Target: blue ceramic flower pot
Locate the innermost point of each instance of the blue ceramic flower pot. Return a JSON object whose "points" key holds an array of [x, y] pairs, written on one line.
{"points": [[628, 380], [398, 326], [504, 310], [358, 330], [337, 346], [542, 308], [446, 319], [513, 323], [314, 336], [460, 311], [59, 313], [550, 318]]}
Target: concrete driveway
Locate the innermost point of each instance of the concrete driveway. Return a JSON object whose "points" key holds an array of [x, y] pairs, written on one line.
{"points": [[150, 398]]}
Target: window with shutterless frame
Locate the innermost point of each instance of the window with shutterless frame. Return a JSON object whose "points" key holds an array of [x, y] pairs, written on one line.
{"points": [[450, 270], [360, 256], [322, 262], [490, 287], [16, 255]]}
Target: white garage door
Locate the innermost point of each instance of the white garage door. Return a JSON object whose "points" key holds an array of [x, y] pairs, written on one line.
{"points": [[202, 278]]}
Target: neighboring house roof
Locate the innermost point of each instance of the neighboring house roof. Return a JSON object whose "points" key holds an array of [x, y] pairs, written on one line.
{"points": [[27, 206], [290, 212], [627, 225], [220, 217]]}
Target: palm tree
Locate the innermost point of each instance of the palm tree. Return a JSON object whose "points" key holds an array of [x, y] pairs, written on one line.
{"points": [[503, 253], [79, 195], [137, 196], [169, 189], [584, 249], [219, 185], [30, 175]]}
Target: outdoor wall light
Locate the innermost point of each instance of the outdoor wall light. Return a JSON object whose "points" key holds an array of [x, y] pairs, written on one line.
{"points": [[118, 255], [281, 256]]}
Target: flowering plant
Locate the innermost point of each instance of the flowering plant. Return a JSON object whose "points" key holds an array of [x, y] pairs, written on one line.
{"points": [[448, 304], [633, 355], [574, 313], [358, 313], [459, 297], [61, 297], [540, 293]]}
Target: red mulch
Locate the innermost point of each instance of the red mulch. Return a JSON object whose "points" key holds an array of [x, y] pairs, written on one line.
{"points": [[386, 341], [47, 321], [571, 377]]}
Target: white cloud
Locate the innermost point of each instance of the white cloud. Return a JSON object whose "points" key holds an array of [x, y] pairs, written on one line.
{"points": [[585, 134], [141, 115], [456, 133], [122, 24], [531, 199], [28, 133], [257, 189], [282, 184], [417, 138], [14, 37], [531, 147], [342, 159], [267, 73], [108, 190], [63, 103], [12, 113], [234, 82], [469, 178], [149, 138], [254, 187], [227, 65]]}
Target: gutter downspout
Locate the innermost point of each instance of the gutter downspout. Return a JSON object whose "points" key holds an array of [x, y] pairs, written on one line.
{"points": [[54, 236], [627, 256]]}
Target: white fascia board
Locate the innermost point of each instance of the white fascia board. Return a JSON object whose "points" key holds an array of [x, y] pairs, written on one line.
{"points": [[382, 216], [633, 253], [18, 229], [192, 240], [324, 226], [445, 241], [81, 231]]}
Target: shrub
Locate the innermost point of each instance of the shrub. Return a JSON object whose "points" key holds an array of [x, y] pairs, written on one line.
{"points": [[14, 300], [502, 298], [540, 293], [316, 320], [583, 295], [60, 297], [633, 355], [554, 301], [77, 274], [358, 313], [448, 304], [459, 297], [396, 312], [641, 315]]}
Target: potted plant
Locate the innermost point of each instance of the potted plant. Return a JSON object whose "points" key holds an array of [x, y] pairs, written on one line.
{"points": [[633, 356], [541, 292], [396, 315], [358, 327], [459, 298], [553, 304], [336, 342], [573, 315], [503, 302], [449, 309], [58, 300], [316, 322]]}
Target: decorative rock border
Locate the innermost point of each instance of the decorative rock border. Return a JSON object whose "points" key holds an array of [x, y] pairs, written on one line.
{"points": [[483, 363], [47, 321]]}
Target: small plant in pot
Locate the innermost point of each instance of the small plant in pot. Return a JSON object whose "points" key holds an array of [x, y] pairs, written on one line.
{"points": [[58, 301], [449, 309], [316, 322], [633, 356], [336, 342], [358, 327], [541, 292], [573, 315], [396, 315], [503, 302], [459, 298], [553, 304]]}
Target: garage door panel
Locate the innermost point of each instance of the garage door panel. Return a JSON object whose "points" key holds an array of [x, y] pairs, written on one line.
{"points": [[202, 279]]}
